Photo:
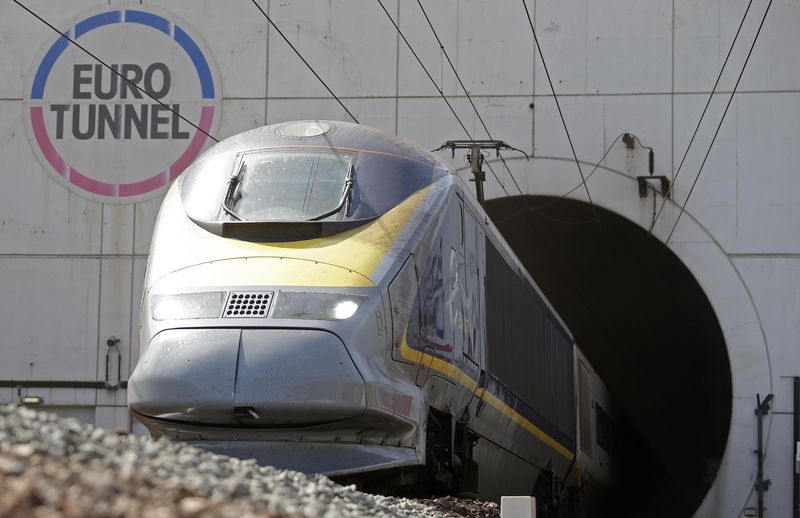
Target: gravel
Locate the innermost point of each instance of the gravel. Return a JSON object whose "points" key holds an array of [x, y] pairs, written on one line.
{"points": [[52, 467]]}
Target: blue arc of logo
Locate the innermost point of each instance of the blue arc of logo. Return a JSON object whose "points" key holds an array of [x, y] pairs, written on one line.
{"points": [[130, 16]]}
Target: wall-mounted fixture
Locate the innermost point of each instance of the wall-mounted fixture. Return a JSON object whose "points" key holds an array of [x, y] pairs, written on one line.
{"points": [[32, 400], [658, 183]]}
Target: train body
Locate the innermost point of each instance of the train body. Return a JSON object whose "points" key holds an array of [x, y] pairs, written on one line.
{"points": [[324, 297]]}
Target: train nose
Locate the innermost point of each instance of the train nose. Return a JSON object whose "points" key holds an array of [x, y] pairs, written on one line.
{"points": [[247, 377]]}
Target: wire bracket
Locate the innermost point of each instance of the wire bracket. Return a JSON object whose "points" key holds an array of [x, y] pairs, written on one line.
{"points": [[475, 158]]}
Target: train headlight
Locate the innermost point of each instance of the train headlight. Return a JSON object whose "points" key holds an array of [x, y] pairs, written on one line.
{"points": [[316, 306], [179, 306]]}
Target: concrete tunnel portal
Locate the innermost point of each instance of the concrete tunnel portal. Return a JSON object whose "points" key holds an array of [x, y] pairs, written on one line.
{"points": [[648, 328]]}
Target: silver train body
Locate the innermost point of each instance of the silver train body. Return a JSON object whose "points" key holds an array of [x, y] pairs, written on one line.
{"points": [[324, 297]]}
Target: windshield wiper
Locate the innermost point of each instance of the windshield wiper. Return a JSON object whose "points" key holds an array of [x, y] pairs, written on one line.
{"points": [[233, 183], [345, 199]]}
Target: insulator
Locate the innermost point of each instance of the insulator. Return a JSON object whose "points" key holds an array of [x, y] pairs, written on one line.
{"points": [[652, 160]]}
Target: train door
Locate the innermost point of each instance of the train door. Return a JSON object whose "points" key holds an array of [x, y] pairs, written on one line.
{"points": [[473, 311], [459, 290]]}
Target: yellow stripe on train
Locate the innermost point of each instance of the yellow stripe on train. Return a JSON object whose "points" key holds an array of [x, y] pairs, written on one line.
{"points": [[456, 374], [361, 249]]}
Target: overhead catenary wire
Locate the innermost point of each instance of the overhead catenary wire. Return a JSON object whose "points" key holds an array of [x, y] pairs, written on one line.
{"points": [[563, 196], [444, 52], [721, 120], [560, 112], [115, 71], [453, 68], [449, 105], [307, 64], [433, 81], [702, 115], [437, 87], [469, 98]]}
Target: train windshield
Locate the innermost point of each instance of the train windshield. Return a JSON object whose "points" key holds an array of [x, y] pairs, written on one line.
{"points": [[290, 186], [311, 184]]}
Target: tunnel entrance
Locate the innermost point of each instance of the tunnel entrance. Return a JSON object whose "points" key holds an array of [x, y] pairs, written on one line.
{"points": [[648, 329]]}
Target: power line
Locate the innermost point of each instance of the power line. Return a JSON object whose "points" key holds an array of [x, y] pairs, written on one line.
{"points": [[560, 113], [594, 169], [474, 108], [433, 81], [304, 61], [730, 99], [471, 102], [702, 115], [443, 50], [549, 203], [441, 91], [453, 67], [115, 71]]}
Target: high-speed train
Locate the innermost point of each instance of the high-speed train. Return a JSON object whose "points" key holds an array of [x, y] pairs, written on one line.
{"points": [[325, 297]]}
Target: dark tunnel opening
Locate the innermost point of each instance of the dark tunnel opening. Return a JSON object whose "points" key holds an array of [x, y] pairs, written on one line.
{"points": [[647, 327]]}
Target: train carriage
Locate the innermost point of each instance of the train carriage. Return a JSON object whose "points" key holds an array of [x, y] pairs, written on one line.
{"points": [[324, 297]]}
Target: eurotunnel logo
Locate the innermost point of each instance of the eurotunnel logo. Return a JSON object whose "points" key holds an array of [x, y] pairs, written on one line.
{"points": [[105, 139]]}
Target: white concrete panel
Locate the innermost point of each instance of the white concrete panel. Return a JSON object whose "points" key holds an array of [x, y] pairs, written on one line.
{"points": [[113, 418], [23, 38], [713, 201], [745, 183], [429, 122], [507, 118], [146, 213], [495, 55], [768, 182], [378, 113], [630, 46], [704, 31], [117, 234], [240, 55], [488, 62], [36, 214], [774, 283], [65, 397], [8, 395], [116, 285], [775, 63], [84, 414], [239, 116], [562, 28], [50, 318], [139, 267], [351, 45], [412, 80], [127, 352], [584, 116]]}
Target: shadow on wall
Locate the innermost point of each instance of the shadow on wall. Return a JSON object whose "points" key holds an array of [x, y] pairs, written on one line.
{"points": [[647, 327]]}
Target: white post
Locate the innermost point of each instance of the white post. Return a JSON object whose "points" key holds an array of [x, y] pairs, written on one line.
{"points": [[517, 507]]}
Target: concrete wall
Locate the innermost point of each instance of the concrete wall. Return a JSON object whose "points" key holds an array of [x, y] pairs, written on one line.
{"points": [[72, 264]]}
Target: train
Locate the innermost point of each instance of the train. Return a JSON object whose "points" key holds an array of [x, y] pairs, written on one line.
{"points": [[325, 297]]}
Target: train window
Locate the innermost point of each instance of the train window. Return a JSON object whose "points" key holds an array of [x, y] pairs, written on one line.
{"points": [[603, 428], [584, 407], [527, 351], [300, 184], [290, 186]]}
